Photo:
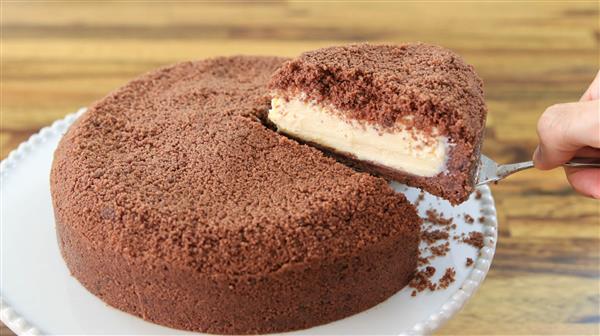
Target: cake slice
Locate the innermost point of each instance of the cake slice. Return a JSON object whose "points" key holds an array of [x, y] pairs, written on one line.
{"points": [[413, 113]]}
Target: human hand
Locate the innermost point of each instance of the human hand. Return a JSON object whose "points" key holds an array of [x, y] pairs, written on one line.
{"points": [[572, 130]]}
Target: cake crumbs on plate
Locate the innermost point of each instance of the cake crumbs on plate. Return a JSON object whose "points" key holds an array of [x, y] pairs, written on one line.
{"points": [[420, 198], [437, 218], [436, 233], [459, 237], [447, 278], [478, 194], [440, 250], [432, 236], [474, 239], [422, 280]]}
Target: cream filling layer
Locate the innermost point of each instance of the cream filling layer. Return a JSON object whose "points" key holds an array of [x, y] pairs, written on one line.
{"points": [[408, 150]]}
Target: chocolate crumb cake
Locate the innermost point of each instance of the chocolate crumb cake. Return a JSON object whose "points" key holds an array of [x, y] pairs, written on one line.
{"points": [[413, 113], [173, 202]]}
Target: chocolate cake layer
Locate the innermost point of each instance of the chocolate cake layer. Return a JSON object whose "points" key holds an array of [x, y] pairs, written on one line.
{"points": [[175, 203], [414, 113]]}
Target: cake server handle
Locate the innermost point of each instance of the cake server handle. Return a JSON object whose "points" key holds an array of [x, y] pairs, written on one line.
{"points": [[490, 171]]}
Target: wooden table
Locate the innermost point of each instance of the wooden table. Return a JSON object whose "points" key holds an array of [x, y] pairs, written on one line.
{"points": [[57, 57]]}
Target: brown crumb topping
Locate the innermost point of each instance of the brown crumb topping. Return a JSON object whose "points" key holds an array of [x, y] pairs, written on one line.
{"points": [[469, 262]]}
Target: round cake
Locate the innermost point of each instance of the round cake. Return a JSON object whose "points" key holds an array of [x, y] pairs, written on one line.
{"points": [[174, 202]]}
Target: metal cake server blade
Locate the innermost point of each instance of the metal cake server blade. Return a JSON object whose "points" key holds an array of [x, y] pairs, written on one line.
{"points": [[490, 171]]}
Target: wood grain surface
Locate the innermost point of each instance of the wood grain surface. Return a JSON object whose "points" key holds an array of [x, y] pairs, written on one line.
{"points": [[59, 56]]}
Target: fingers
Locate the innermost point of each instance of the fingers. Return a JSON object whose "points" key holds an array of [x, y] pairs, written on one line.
{"points": [[572, 130], [563, 129], [587, 152], [593, 91], [585, 181]]}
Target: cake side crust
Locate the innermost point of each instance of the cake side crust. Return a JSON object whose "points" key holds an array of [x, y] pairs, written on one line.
{"points": [[294, 297]]}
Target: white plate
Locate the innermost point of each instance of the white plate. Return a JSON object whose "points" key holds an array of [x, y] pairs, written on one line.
{"points": [[38, 295]]}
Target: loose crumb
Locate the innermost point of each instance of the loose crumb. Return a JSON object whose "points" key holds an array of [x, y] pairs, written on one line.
{"points": [[435, 233], [420, 198], [477, 194], [459, 237], [440, 250], [431, 286], [431, 237], [437, 218], [482, 219], [469, 262], [475, 239], [447, 278], [422, 280]]}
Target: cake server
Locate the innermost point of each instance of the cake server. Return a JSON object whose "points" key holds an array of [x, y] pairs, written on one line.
{"points": [[490, 171]]}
